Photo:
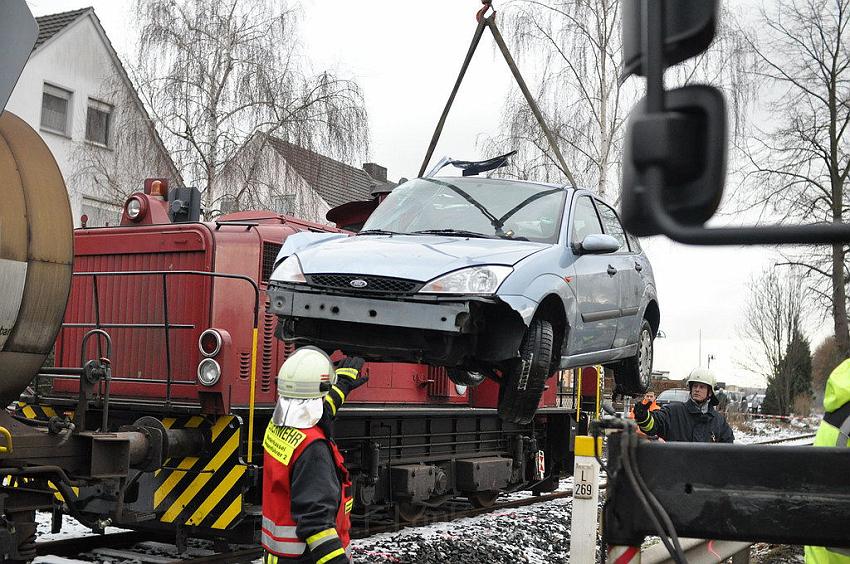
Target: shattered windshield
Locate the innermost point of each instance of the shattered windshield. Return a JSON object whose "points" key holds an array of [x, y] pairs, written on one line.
{"points": [[471, 207]]}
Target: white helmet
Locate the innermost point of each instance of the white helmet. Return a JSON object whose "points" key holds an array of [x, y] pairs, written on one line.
{"points": [[307, 374], [703, 376]]}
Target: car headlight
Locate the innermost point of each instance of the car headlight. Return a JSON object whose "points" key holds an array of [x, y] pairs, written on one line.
{"points": [[289, 271], [209, 372], [473, 280]]}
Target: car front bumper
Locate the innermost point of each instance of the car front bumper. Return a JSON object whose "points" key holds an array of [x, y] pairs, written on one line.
{"points": [[467, 331], [451, 316]]}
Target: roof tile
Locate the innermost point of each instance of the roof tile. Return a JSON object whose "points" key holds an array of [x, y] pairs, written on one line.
{"points": [[51, 24], [336, 182]]}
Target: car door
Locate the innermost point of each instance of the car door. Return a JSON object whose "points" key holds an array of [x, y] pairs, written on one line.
{"points": [[629, 270], [596, 284]]}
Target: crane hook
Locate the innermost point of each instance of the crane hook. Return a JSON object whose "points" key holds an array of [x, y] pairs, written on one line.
{"points": [[488, 5]]}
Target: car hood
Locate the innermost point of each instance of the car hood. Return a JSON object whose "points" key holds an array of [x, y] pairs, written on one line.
{"points": [[415, 257]]}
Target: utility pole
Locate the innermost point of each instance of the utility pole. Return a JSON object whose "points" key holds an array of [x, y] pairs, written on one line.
{"points": [[699, 356]]}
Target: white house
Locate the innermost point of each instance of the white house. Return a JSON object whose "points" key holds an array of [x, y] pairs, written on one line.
{"points": [[75, 91], [270, 173]]}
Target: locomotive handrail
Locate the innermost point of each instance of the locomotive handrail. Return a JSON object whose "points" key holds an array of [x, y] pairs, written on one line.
{"points": [[107, 376], [166, 326]]}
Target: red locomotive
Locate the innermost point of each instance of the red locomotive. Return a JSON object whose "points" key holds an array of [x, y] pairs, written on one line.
{"points": [[193, 348]]}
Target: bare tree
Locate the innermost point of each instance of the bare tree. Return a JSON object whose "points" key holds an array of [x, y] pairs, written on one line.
{"points": [[214, 72], [772, 329], [798, 166], [575, 49], [824, 360]]}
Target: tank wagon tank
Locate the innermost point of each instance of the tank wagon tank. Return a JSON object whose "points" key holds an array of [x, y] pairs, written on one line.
{"points": [[193, 348]]}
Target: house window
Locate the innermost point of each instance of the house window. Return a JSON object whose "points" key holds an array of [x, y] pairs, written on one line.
{"points": [[285, 203], [56, 110], [98, 122], [100, 213]]}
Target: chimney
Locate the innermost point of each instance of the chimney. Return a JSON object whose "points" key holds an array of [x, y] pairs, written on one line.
{"points": [[376, 171]]}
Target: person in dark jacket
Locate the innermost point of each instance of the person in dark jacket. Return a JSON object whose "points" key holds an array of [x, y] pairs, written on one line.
{"points": [[306, 488], [696, 420]]}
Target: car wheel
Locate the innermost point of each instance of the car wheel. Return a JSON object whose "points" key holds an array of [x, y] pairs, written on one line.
{"points": [[524, 380], [632, 376]]}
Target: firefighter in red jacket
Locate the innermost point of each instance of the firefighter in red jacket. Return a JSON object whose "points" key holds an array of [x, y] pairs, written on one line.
{"points": [[306, 499]]}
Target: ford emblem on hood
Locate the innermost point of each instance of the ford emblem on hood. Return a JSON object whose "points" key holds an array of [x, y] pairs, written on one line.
{"points": [[358, 283]]}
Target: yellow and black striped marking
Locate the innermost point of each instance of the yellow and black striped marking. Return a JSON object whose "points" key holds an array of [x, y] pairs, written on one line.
{"points": [[203, 491], [34, 411]]}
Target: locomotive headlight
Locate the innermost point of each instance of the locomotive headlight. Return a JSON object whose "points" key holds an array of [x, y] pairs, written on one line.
{"points": [[134, 208], [209, 372], [474, 280], [209, 342], [289, 271]]}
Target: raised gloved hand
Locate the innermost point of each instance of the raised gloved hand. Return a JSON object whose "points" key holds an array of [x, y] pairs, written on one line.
{"points": [[641, 411], [348, 373], [348, 378]]}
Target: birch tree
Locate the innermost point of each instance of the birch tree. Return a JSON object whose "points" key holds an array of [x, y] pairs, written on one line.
{"points": [[215, 72], [572, 52]]}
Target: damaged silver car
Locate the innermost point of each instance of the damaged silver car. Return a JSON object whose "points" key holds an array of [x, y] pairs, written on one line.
{"points": [[492, 278]]}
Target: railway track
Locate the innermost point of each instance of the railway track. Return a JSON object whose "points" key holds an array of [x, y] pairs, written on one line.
{"points": [[787, 439], [142, 548]]}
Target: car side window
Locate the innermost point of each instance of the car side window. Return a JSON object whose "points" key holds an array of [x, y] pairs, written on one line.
{"points": [[634, 244], [585, 220], [612, 225]]}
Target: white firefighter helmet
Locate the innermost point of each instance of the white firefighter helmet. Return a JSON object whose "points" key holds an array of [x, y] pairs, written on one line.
{"points": [[307, 374], [703, 376]]}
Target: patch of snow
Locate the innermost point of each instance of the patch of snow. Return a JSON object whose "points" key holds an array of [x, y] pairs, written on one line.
{"points": [[759, 430], [71, 528]]}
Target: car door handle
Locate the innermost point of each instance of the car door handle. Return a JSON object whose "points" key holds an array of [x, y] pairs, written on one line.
{"points": [[611, 270], [638, 266]]}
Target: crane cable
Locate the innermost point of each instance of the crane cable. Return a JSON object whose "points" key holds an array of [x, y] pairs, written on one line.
{"points": [[490, 22]]}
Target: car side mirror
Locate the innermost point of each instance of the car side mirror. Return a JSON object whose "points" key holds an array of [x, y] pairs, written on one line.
{"points": [[598, 244]]}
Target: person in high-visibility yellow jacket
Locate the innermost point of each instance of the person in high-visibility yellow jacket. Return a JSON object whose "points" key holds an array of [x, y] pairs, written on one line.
{"points": [[834, 431]]}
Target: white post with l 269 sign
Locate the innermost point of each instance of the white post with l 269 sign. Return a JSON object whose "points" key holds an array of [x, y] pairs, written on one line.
{"points": [[585, 514]]}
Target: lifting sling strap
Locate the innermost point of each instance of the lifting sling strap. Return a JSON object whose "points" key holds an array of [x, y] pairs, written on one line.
{"points": [[490, 22]]}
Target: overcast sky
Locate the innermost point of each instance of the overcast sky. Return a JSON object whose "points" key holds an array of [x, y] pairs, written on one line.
{"points": [[406, 55]]}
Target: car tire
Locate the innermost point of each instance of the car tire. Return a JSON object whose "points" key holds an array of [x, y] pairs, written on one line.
{"points": [[524, 380], [633, 375]]}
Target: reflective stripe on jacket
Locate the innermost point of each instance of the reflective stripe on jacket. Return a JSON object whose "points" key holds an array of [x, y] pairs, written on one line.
{"points": [[833, 432], [283, 447]]}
